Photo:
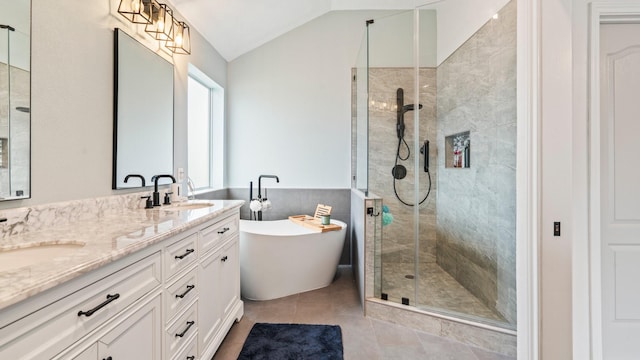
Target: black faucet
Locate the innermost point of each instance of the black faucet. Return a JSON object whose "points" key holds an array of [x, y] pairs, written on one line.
{"points": [[260, 183], [260, 190], [156, 194], [136, 175]]}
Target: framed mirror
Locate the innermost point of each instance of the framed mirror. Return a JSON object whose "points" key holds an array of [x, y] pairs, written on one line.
{"points": [[15, 99], [143, 113]]}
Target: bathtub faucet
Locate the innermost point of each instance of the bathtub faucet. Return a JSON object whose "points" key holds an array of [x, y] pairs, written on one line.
{"points": [[260, 190], [260, 183]]}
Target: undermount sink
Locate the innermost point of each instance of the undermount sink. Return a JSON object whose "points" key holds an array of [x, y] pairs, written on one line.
{"points": [[14, 258], [186, 206]]}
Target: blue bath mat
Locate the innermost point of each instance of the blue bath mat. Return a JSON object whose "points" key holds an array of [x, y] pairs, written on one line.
{"points": [[292, 342]]}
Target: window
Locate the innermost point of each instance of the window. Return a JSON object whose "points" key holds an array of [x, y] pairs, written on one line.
{"points": [[205, 133]]}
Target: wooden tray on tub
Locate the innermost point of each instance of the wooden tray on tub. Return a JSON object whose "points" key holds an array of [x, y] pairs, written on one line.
{"points": [[313, 223]]}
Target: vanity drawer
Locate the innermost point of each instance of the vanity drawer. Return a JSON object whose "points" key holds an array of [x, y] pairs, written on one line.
{"points": [[214, 235], [180, 255], [178, 334], [58, 325], [189, 352], [178, 295]]}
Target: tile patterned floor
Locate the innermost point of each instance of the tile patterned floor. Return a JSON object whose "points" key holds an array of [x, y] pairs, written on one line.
{"points": [[363, 338], [436, 289]]}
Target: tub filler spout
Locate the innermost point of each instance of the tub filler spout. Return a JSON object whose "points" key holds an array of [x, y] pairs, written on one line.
{"points": [[260, 199]]}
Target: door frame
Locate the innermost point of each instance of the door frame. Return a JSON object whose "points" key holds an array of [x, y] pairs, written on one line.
{"points": [[601, 13], [528, 181]]}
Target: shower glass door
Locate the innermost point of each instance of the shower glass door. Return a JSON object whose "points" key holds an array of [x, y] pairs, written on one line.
{"points": [[441, 154], [360, 120], [392, 152], [428, 288]]}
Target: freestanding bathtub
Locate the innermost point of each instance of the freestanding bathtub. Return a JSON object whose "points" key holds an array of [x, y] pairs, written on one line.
{"points": [[280, 258]]}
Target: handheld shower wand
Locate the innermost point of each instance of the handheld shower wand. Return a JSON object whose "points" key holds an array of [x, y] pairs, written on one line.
{"points": [[401, 110], [399, 171]]}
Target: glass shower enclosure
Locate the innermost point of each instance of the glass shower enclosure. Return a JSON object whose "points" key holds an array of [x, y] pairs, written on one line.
{"points": [[435, 134]]}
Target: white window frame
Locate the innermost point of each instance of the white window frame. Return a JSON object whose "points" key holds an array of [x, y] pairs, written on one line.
{"points": [[216, 131]]}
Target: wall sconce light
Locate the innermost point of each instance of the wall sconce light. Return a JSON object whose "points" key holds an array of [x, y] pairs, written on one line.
{"points": [[136, 11], [160, 23], [181, 43]]}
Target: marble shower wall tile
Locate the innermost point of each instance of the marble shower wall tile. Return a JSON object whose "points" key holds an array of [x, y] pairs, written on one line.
{"points": [[398, 237], [476, 205]]}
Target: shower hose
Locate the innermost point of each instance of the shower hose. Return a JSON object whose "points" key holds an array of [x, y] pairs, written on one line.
{"points": [[401, 141]]}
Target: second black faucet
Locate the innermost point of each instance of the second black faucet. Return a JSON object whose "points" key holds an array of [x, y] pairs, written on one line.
{"points": [[156, 194]]}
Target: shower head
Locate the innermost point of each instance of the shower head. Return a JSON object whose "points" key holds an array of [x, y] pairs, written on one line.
{"points": [[401, 110]]}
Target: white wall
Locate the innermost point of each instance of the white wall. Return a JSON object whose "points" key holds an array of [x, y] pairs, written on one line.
{"points": [[556, 179], [565, 260], [579, 246], [72, 98], [290, 105]]}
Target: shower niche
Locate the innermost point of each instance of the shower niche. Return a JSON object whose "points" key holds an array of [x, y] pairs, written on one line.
{"points": [[458, 150]]}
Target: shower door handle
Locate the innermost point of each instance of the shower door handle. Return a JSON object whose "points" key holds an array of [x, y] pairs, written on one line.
{"points": [[425, 151]]}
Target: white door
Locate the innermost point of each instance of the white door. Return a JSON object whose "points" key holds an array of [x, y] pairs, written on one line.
{"points": [[620, 189]]}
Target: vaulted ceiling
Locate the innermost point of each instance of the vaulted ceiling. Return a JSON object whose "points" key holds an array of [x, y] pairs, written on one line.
{"points": [[235, 27]]}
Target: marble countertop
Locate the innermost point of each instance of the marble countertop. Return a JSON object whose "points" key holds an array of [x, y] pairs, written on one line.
{"points": [[92, 243]]}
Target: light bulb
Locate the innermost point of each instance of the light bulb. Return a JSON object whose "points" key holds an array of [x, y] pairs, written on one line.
{"points": [[161, 24], [135, 5], [179, 40]]}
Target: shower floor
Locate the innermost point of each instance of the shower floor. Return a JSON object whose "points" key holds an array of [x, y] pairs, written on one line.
{"points": [[436, 289]]}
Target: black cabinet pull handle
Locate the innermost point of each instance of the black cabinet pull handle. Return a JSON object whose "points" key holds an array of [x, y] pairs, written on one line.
{"points": [[224, 258], [191, 357], [189, 288], [189, 325], [88, 313], [223, 231], [180, 257], [109, 358]]}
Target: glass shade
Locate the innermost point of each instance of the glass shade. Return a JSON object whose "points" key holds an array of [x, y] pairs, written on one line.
{"points": [[161, 26], [181, 43], [136, 11]]}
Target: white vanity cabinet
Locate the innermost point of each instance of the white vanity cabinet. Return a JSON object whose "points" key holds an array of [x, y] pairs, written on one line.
{"points": [[174, 299], [72, 315], [219, 278], [135, 334]]}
